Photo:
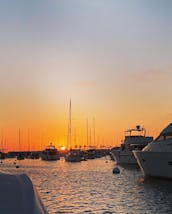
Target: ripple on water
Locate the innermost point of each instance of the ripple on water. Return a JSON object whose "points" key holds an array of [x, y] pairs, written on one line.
{"points": [[90, 187]]}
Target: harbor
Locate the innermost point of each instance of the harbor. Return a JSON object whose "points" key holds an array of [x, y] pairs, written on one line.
{"points": [[85, 107], [124, 179]]}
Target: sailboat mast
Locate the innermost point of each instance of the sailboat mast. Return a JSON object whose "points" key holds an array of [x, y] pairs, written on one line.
{"points": [[19, 140], [28, 139], [90, 143], [69, 128], [87, 134], [94, 132], [74, 139], [2, 139]]}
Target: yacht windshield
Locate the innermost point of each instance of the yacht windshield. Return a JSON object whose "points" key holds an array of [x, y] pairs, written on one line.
{"points": [[159, 138], [164, 137]]}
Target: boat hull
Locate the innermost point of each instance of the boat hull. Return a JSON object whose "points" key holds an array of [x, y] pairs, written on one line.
{"points": [[50, 157], [18, 195], [155, 164], [72, 159], [123, 157]]}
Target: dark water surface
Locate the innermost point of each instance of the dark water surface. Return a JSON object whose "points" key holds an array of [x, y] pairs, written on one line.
{"points": [[91, 187]]}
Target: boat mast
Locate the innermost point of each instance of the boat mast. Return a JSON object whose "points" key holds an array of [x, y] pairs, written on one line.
{"points": [[28, 139], [4, 144], [2, 139], [42, 141], [87, 134], [94, 132], [69, 128], [75, 142], [19, 140], [90, 139]]}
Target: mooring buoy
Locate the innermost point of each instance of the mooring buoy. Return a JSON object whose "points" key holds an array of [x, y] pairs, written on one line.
{"points": [[116, 170]]}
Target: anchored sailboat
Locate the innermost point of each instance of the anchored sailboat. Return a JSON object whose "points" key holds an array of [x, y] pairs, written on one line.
{"points": [[20, 156], [73, 155]]}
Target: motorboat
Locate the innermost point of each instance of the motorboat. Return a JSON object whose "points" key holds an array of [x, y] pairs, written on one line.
{"points": [[2, 155], [50, 153], [90, 154], [135, 139], [74, 155], [18, 195], [20, 156], [34, 155], [156, 158], [111, 152]]}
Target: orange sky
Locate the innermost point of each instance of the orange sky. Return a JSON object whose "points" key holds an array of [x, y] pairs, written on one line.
{"points": [[52, 127]]}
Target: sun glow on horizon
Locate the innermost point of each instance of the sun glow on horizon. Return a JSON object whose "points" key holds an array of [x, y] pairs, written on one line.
{"points": [[62, 148]]}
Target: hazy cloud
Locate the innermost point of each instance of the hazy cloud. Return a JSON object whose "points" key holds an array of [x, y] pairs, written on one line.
{"points": [[151, 75]]}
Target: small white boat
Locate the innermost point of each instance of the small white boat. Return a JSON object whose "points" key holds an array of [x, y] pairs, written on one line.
{"points": [[50, 153], [156, 158], [136, 141], [19, 196]]}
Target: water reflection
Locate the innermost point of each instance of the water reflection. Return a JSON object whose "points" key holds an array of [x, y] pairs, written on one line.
{"points": [[158, 194], [91, 187]]}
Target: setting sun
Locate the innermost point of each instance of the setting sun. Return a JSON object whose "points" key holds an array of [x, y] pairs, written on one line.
{"points": [[62, 148]]}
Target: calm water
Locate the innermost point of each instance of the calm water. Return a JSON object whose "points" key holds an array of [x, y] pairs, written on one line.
{"points": [[91, 187]]}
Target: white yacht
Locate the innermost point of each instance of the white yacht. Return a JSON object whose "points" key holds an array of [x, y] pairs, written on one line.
{"points": [[50, 153], [135, 139], [156, 158]]}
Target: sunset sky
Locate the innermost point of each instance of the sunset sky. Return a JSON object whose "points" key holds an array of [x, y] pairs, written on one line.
{"points": [[113, 58]]}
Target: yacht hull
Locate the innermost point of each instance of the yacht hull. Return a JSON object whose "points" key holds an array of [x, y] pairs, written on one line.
{"points": [[72, 159], [123, 157], [50, 157], [155, 164]]}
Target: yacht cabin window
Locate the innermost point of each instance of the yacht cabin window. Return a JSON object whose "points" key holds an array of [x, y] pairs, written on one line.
{"points": [[168, 137]]}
